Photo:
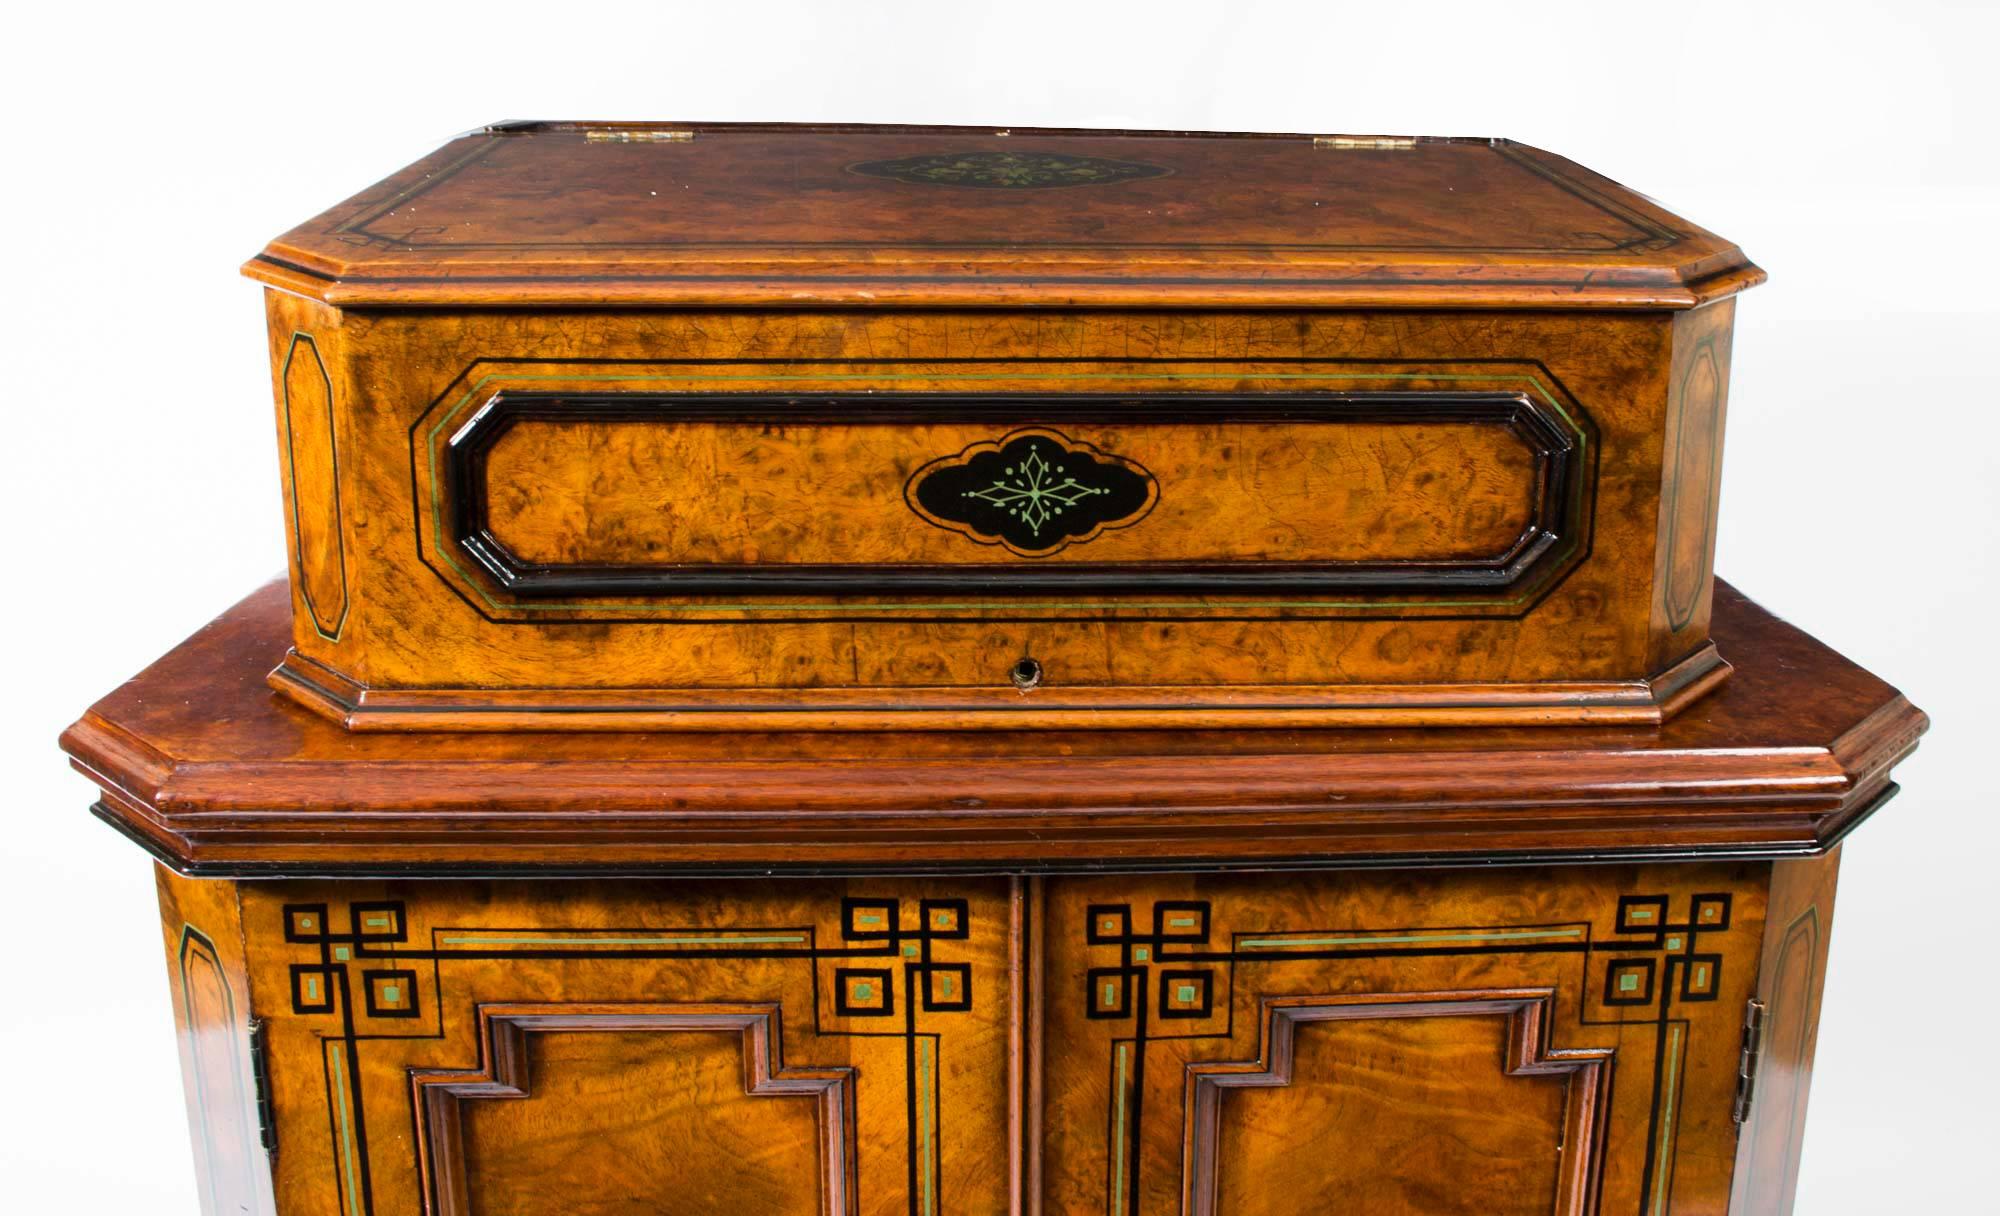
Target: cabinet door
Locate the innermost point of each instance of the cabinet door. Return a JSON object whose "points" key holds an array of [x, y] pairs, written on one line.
{"points": [[589, 1049], [1538, 1040]]}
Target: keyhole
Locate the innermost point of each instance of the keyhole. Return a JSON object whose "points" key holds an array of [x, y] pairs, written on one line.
{"points": [[1026, 674]]}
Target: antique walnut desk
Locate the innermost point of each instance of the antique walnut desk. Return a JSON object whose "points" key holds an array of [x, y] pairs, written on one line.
{"points": [[918, 671]]}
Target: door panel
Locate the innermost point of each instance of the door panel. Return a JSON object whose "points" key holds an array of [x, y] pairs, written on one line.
{"points": [[513, 1049], [1542, 1041]]}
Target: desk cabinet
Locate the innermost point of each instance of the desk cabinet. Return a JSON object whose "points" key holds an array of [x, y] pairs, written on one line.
{"points": [[858, 671]]}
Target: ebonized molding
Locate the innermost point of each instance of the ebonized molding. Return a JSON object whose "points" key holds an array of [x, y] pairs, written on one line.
{"points": [[1557, 534]]}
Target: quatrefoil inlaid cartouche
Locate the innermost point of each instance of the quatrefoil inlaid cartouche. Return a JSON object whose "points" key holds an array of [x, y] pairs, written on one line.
{"points": [[1034, 491]]}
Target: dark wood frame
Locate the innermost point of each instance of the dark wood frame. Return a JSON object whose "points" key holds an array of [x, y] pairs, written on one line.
{"points": [[1556, 537]]}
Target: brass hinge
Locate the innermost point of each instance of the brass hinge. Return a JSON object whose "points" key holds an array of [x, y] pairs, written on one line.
{"points": [[1752, 1058], [1365, 143], [260, 1078]]}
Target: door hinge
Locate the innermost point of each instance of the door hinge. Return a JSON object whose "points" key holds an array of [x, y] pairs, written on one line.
{"points": [[1753, 1056], [260, 1079]]}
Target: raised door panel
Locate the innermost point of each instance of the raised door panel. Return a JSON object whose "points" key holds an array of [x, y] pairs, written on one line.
{"points": [[514, 1049], [1532, 1041]]}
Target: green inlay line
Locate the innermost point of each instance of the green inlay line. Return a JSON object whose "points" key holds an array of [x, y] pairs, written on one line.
{"points": [[353, 1191], [1118, 1133], [1663, 1159], [1487, 935], [312, 988], [925, 1098], [1110, 993], [376, 922], [949, 984], [1701, 976], [756, 940], [873, 918], [443, 551], [1642, 914], [1181, 922]]}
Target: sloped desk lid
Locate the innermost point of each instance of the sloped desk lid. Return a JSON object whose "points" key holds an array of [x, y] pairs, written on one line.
{"points": [[214, 773], [719, 215]]}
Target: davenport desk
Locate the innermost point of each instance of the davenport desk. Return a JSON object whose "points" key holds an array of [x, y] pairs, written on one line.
{"points": [[933, 671]]}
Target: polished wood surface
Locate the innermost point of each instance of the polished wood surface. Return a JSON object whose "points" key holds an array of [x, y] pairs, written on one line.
{"points": [[862, 671], [1798, 935], [717, 214], [1552, 1040], [1421, 518], [205, 766]]}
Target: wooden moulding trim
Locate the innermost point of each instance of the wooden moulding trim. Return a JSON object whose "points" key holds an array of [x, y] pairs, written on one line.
{"points": [[1528, 1054], [1553, 540], [1102, 707], [333, 844], [1024, 286], [503, 1073]]}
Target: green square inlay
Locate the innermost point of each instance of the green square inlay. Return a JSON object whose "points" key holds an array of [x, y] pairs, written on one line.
{"points": [[864, 992], [305, 922], [340, 953], [392, 994], [1674, 942], [1184, 994], [1628, 982], [1141, 954], [909, 950]]}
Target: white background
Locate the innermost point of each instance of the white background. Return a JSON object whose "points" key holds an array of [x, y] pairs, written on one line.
{"points": [[1850, 148]]}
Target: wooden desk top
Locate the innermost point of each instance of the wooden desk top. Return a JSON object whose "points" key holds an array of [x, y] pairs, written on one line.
{"points": [[730, 215], [216, 774]]}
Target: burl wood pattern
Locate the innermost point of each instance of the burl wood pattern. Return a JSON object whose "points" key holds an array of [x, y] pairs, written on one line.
{"points": [[769, 492], [1481, 489], [433, 640], [821, 1047], [1557, 1041], [1407, 1044]]}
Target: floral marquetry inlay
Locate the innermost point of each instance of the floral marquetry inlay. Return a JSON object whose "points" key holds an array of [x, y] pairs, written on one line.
{"points": [[1035, 491]]}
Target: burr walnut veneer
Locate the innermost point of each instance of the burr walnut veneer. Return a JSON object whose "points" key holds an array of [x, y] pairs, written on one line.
{"points": [[946, 672], [721, 427], [1391, 971]]}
